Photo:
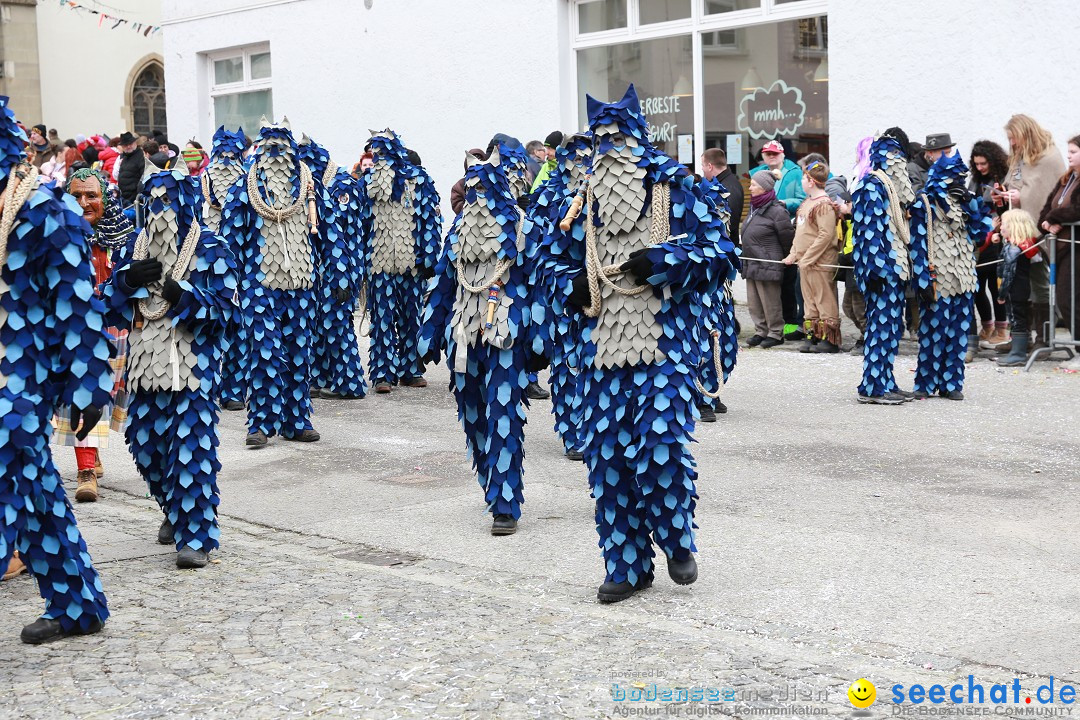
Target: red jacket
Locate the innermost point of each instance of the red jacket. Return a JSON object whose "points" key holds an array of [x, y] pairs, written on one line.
{"points": [[108, 159]]}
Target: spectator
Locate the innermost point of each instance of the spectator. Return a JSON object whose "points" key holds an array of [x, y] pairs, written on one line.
{"points": [[814, 248], [71, 154], [537, 156], [108, 154], [989, 165], [129, 170], [766, 234], [788, 191], [457, 193], [195, 158], [366, 162], [918, 167], [1020, 234], [54, 137], [1062, 207], [551, 144], [44, 151], [715, 167], [1034, 168], [90, 155]]}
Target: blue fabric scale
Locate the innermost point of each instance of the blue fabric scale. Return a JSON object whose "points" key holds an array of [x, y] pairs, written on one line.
{"points": [[172, 434], [55, 353]]}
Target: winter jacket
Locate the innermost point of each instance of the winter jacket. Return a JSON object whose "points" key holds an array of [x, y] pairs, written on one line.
{"points": [[51, 152], [767, 234], [789, 187], [1062, 214], [1036, 182], [130, 175], [918, 169], [736, 201], [544, 173], [107, 158]]}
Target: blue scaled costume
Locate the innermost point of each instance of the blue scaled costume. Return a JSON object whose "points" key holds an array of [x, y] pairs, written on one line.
{"points": [[720, 333], [266, 220], [337, 370], [947, 222], [881, 252], [225, 168], [401, 226], [53, 351], [654, 246], [177, 315], [559, 329], [479, 315]]}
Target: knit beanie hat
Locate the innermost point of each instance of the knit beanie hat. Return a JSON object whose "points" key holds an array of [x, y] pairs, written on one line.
{"points": [[554, 139], [765, 179]]}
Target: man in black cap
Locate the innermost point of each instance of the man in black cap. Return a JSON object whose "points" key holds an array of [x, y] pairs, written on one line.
{"points": [[132, 162], [551, 143]]}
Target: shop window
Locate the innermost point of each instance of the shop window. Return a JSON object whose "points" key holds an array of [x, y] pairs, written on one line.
{"points": [[774, 87], [656, 11], [662, 72], [600, 15], [241, 87]]}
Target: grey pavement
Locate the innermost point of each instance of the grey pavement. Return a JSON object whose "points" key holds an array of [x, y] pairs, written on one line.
{"points": [[357, 577]]}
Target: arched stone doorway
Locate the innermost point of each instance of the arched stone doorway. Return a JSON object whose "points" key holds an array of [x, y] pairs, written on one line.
{"points": [[146, 98]]}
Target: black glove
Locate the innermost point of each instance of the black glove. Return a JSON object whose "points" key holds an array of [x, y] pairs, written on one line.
{"points": [[926, 295], [875, 284], [524, 201], [342, 295], [536, 362], [580, 296], [141, 273], [424, 272], [90, 416], [638, 266], [171, 291]]}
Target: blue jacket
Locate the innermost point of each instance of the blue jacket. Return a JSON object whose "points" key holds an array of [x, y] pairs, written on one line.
{"points": [[789, 188]]}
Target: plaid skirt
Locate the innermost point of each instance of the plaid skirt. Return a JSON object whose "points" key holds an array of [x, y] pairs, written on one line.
{"points": [[113, 417]]}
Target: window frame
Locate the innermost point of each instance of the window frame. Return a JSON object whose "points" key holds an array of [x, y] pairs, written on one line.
{"points": [[246, 83]]}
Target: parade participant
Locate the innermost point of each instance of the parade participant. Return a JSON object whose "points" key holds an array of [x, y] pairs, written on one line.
{"points": [[560, 328], [337, 371], [52, 350], [720, 333], [947, 221], [176, 291], [401, 224], [225, 168], [881, 253], [815, 248], [478, 314], [270, 222], [112, 231], [652, 246]]}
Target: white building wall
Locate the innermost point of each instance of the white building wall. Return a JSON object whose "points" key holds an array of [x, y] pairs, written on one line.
{"points": [[445, 74], [85, 69], [957, 66]]}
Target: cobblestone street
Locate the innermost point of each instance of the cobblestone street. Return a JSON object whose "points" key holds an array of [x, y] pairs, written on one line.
{"points": [[357, 577]]}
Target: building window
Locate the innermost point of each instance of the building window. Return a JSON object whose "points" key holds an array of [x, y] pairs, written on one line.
{"points": [[777, 88], [656, 11], [148, 101], [241, 87], [662, 72], [599, 15]]}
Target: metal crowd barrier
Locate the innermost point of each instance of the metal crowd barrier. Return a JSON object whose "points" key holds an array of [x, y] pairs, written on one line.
{"points": [[1049, 329]]}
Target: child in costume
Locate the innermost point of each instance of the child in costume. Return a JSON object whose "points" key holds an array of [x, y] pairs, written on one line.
{"points": [[176, 291]]}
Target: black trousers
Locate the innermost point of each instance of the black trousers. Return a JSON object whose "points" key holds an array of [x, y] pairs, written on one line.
{"points": [[791, 296]]}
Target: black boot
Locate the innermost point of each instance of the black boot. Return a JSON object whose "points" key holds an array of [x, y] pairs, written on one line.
{"points": [[575, 455], [165, 533], [189, 557], [707, 413], [503, 524], [309, 435], [44, 630], [233, 405], [683, 572], [533, 391], [721, 408], [257, 439], [613, 592], [824, 346]]}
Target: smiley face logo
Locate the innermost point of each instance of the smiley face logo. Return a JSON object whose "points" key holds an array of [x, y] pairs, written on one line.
{"points": [[862, 693]]}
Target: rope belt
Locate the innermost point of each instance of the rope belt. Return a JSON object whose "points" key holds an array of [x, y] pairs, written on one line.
{"points": [[21, 184], [715, 340], [177, 272], [659, 229]]}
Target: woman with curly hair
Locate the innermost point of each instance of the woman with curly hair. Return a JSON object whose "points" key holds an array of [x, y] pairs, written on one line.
{"points": [[989, 166]]}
